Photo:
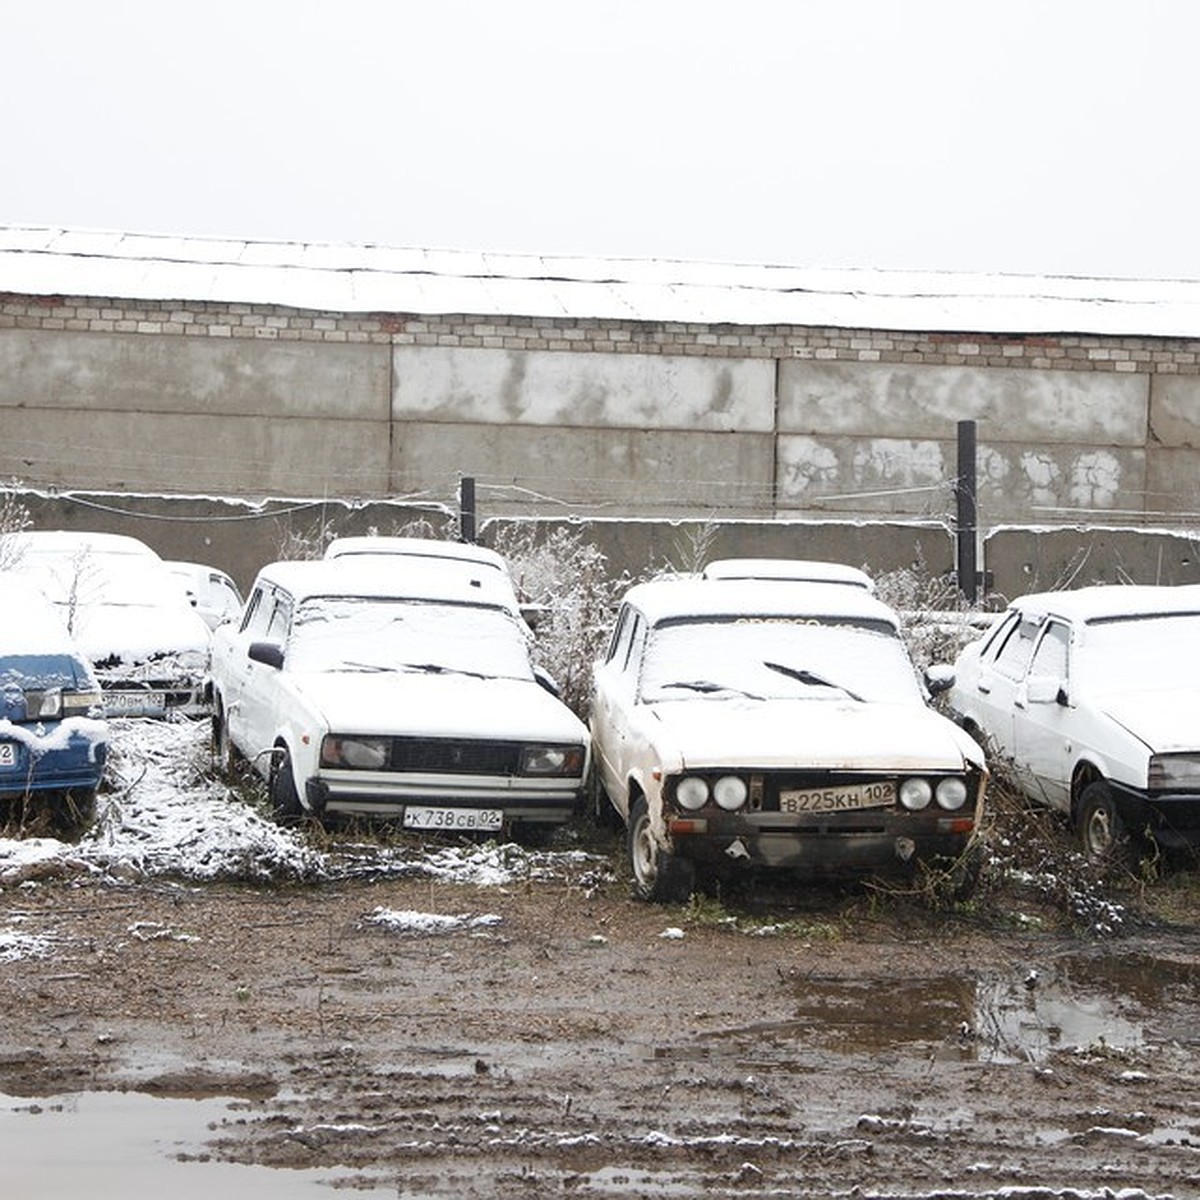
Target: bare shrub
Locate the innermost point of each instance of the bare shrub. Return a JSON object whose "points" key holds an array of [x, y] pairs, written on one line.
{"points": [[567, 580], [14, 518]]}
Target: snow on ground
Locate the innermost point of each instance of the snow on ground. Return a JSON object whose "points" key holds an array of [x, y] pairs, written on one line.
{"points": [[165, 813]]}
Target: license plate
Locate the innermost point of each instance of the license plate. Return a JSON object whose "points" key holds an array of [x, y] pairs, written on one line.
{"points": [[486, 820], [838, 799], [134, 701], [8, 754]]}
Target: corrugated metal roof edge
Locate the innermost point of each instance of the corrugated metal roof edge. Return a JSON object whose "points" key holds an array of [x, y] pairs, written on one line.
{"points": [[314, 275]]}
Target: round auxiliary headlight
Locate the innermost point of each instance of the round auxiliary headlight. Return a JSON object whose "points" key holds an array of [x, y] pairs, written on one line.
{"points": [[692, 793], [730, 792], [952, 794], [915, 794]]}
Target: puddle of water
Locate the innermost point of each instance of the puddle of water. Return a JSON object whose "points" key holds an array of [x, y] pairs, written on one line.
{"points": [[113, 1145], [1077, 1002]]}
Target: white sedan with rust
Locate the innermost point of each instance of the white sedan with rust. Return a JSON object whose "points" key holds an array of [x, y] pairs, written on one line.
{"points": [[354, 694], [739, 724]]}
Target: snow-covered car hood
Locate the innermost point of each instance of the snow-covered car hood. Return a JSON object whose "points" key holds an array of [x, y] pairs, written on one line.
{"points": [[1165, 721], [137, 633], [830, 734], [434, 705]]}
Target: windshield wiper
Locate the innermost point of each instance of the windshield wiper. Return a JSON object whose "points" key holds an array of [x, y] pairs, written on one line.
{"points": [[439, 669], [708, 686], [812, 679]]}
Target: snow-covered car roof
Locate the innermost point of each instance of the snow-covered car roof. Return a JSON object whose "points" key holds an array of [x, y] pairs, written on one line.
{"points": [[672, 599], [375, 577], [413, 547], [1110, 601], [794, 569], [67, 542]]}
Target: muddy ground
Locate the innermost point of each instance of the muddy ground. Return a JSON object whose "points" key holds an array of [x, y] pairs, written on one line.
{"points": [[574, 1042]]}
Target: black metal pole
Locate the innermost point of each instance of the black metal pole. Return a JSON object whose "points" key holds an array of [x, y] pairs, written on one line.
{"points": [[466, 509], [967, 517]]}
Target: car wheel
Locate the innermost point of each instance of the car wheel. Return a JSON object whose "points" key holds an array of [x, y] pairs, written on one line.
{"points": [[1102, 834], [285, 800], [657, 874]]}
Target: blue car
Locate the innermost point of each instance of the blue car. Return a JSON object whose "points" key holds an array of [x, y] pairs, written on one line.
{"points": [[53, 738]]}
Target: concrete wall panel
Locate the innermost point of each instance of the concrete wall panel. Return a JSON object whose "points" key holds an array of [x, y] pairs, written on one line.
{"points": [[639, 471], [214, 455], [908, 476], [1173, 481], [1175, 411], [131, 372], [1023, 560], [911, 401], [640, 391]]}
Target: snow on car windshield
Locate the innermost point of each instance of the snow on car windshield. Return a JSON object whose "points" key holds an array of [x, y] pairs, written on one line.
{"points": [[353, 634], [93, 578], [1156, 653], [778, 658]]}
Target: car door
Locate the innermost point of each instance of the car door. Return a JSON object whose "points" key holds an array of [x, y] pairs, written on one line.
{"points": [[612, 705], [261, 682], [1043, 718], [1001, 672]]}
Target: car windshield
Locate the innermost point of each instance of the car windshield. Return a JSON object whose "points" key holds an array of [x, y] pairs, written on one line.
{"points": [[93, 579], [778, 658], [351, 634], [1139, 654]]}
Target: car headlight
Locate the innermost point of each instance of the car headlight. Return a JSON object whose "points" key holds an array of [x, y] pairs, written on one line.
{"points": [[691, 792], [552, 760], [43, 705], [730, 792], [951, 794], [1174, 772], [915, 794], [356, 753]]}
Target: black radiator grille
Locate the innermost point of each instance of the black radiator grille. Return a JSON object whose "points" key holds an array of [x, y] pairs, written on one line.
{"points": [[452, 756]]}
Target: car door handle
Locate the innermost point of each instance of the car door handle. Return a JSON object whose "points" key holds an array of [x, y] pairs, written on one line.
{"points": [[983, 687]]}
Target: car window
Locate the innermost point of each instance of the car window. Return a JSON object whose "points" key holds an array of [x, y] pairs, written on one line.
{"points": [[1050, 658], [1014, 654], [618, 647], [776, 658], [369, 634], [637, 644], [995, 637], [1152, 652], [255, 621], [281, 619]]}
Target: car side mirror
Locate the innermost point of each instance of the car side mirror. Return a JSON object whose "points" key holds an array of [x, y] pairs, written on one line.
{"points": [[268, 653], [939, 678]]}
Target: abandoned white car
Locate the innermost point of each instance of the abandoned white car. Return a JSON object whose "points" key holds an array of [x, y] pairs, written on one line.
{"points": [[738, 726], [353, 698], [129, 615], [211, 592], [1091, 697]]}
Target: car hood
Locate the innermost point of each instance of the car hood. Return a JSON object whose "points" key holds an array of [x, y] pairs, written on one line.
{"points": [[1165, 721], [135, 633], [826, 734], [438, 705]]}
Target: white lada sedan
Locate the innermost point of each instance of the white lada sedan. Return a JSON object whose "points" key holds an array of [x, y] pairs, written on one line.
{"points": [[352, 697], [740, 725], [1089, 696]]}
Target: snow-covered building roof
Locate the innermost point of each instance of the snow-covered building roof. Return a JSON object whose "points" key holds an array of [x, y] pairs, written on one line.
{"points": [[345, 278]]}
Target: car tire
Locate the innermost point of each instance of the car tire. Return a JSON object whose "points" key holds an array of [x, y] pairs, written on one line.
{"points": [[1102, 833], [285, 800], [658, 876]]}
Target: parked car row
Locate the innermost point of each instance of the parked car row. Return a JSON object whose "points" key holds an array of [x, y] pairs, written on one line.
{"points": [[762, 715]]}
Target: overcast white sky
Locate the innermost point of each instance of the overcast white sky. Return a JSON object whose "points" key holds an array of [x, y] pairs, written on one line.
{"points": [[1028, 136]]}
